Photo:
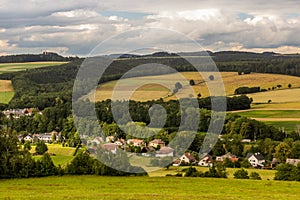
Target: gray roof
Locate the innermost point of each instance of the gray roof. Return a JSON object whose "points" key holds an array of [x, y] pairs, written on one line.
{"points": [[257, 155]]}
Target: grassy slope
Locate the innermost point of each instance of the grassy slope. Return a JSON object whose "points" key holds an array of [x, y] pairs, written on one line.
{"points": [[13, 67], [93, 187], [63, 154]]}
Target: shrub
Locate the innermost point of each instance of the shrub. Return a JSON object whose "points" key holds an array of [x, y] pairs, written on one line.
{"points": [[41, 148], [241, 174], [255, 176]]}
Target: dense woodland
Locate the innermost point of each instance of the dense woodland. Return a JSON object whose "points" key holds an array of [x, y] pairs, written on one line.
{"points": [[49, 89]]}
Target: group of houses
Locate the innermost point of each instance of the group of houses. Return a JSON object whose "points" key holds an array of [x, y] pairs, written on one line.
{"points": [[17, 113], [157, 148], [44, 137]]}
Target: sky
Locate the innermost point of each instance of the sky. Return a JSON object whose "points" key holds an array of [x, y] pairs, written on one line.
{"points": [[76, 27]]}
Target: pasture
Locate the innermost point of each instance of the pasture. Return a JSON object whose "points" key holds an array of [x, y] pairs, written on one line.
{"points": [[14, 67], [97, 187], [161, 86]]}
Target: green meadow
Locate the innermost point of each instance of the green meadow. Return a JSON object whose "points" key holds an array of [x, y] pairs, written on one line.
{"points": [[271, 113], [5, 97], [97, 187]]}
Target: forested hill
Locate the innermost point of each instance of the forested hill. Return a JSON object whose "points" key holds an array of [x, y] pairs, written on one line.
{"points": [[45, 56], [42, 86]]}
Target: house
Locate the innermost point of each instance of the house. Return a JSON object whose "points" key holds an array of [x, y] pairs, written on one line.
{"points": [[257, 160], [97, 140], [230, 156], [187, 158], [274, 162], [176, 163], [246, 140], [46, 137], [136, 142], [110, 139], [17, 113], [156, 143], [148, 151], [112, 147], [28, 138], [165, 152], [120, 142], [206, 161], [293, 161]]}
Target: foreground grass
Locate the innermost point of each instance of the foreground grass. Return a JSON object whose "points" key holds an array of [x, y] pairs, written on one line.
{"points": [[95, 187]]}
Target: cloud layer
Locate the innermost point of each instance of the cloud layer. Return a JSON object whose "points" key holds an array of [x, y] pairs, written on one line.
{"points": [[74, 27]]}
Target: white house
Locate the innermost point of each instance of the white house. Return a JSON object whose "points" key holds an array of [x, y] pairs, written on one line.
{"points": [[206, 161], [293, 161], [165, 152], [28, 138], [256, 159], [187, 158]]}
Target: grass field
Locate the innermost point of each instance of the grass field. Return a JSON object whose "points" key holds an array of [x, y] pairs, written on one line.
{"points": [[13, 67], [63, 155], [95, 187], [286, 120], [231, 81], [288, 126]]}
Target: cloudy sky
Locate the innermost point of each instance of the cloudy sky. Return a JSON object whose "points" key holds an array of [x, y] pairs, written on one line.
{"points": [[75, 27]]}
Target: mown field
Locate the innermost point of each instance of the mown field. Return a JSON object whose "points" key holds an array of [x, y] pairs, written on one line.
{"points": [[63, 155], [13, 67], [95, 187], [231, 81]]}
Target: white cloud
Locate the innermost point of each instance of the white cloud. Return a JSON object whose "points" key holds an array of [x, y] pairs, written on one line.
{"points": [[75, 27]]}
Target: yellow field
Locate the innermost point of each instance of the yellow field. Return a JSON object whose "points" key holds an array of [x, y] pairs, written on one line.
{"points": [[277, 96], [5, 86], [231, 81]]}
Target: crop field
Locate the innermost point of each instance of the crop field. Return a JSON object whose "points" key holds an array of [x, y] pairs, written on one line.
{"points": [[164, 84], [277, 96], [13, 67], [175, 188]]}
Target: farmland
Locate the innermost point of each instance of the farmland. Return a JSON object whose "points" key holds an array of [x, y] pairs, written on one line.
{"points": [[14, 67], [95, 187], [231, 81]]}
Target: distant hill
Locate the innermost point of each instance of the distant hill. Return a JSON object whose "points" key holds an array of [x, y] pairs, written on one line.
{"points": [[45, 56]]}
